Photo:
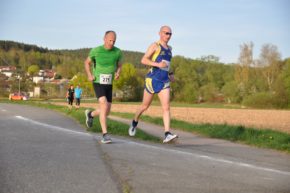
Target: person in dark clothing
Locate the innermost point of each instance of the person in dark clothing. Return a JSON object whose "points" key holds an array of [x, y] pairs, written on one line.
{"points": [[70, 96]]}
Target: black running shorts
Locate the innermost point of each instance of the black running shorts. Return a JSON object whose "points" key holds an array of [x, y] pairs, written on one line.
{"points": [[70, 100], [103, 90]]}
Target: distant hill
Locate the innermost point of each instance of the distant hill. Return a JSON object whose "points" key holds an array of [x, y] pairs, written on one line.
{"points": [[23, 55], [9, 45]]}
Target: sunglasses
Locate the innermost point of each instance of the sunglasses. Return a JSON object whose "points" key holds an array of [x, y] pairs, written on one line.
{"points": [[168, 33]]}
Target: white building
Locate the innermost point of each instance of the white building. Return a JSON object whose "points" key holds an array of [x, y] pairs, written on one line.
{"points": [[37, 79]]}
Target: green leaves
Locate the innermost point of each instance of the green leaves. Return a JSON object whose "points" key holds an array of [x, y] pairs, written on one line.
{"points": [[33, 70], [129, 86]]}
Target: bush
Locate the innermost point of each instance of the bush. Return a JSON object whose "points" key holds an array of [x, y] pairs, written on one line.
{"points": [[259, 100]]}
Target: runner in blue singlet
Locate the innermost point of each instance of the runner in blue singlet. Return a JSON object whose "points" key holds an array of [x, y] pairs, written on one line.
{"points": [[158, 56]]}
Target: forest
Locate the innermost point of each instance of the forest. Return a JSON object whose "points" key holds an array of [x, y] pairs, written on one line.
{"points": [[262, 82]]}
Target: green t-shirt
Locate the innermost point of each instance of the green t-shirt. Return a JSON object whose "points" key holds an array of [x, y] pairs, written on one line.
{"points": [[105, 63]]}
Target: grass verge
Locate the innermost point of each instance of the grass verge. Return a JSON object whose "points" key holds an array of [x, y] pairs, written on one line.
{"points": [[114, 127], [264, 138], [157, 103]]}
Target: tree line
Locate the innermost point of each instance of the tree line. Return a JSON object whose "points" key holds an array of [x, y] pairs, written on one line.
{"points": [[262, 82]]}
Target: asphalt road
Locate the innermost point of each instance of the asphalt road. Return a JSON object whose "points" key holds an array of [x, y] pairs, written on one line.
{"points": [[44, 151]]}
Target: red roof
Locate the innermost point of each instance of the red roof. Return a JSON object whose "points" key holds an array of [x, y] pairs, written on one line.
{"points": [[7, 68]]}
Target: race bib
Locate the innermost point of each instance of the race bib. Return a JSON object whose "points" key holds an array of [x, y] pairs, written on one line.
{"points": [[106, 78], [167, 67]]}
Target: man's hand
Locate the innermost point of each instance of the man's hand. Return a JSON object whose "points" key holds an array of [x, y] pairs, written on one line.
{"points": [[117, 75], [171, 77], [91, 77], [162, 64]]}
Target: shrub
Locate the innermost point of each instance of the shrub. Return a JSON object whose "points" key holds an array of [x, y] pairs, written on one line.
{"points": [[259, 100]]}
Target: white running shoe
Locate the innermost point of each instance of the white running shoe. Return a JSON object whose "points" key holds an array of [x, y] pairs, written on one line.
{"points": [[169, 137], [89, 120], [132, 131]]}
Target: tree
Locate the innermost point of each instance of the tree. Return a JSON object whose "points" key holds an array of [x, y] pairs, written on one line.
{"points": [[286, 80], [33, 70], [209, 92], [242, 69], [129, 83], [185, 87], [210, 58], [270, 62], [245, 61], [231, 92], [214, 74]]}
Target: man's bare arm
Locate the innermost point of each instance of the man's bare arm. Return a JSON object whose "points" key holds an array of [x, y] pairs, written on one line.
{"points": [[146, 59], [88, 62]]}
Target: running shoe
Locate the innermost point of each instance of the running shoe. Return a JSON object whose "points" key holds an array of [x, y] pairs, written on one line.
{"points": [[132, 130], [169, 137], [106, 139], [89, 120]]}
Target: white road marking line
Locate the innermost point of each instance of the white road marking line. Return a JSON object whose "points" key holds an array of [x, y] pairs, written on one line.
{"points": [[57, 128], [54, 127]]}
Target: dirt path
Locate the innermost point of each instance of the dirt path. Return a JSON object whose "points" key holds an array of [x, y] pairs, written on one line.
{"points": [[260, 119]]}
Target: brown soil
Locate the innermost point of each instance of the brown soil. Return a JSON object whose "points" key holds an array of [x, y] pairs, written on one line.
{"points": [[259, 119]]}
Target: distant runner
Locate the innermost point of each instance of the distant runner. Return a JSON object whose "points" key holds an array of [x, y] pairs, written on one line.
{"points": [[70, 96], [157, 81], [78, 95]]}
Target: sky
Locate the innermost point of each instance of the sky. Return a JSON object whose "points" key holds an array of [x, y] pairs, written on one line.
{"points": [[199, 27]]}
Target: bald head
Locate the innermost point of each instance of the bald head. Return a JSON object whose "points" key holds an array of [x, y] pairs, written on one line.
{"points": [[110, 32], [165, 34], [165, 28], [109, 39]]}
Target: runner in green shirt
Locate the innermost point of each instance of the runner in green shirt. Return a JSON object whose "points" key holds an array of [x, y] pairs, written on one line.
{"points": [[104, 61], [106, 67]]}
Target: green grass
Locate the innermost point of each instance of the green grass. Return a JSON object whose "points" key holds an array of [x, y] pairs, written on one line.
{"points": [[157, 103], [264, 138], [114, 127]]}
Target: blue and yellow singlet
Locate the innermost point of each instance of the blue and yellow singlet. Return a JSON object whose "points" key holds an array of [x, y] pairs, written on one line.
{"points": [[158, 78]]}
